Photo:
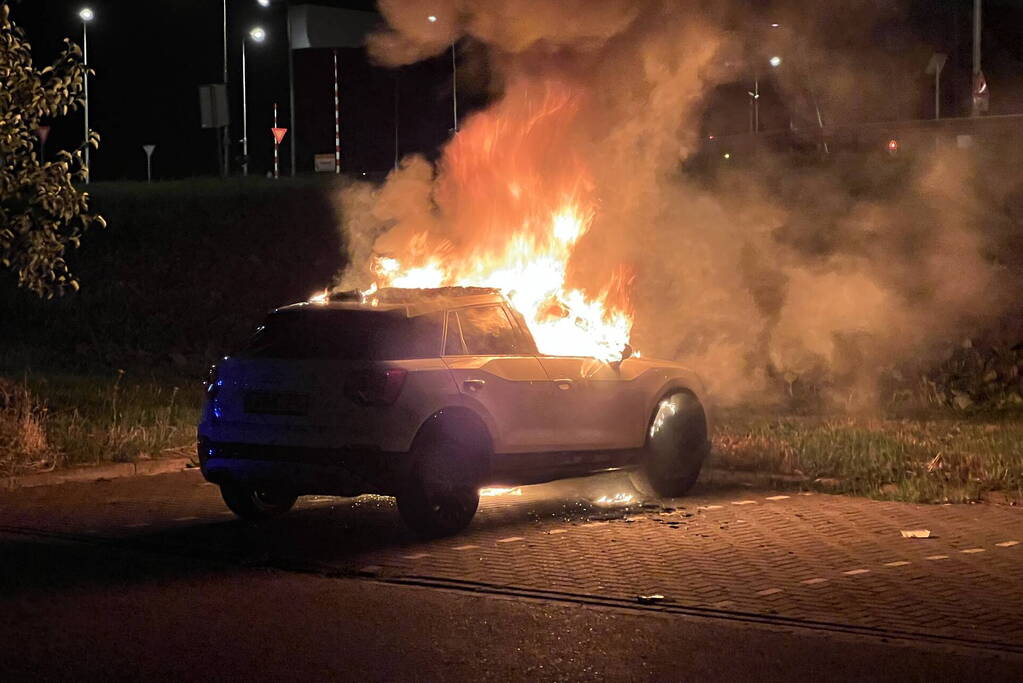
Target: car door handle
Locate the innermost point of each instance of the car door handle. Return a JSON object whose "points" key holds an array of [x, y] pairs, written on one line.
{"points": [[473, 385], [564, 384]]}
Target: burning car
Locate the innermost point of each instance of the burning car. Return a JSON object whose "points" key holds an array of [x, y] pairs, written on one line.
{"points": [[428, 395]]}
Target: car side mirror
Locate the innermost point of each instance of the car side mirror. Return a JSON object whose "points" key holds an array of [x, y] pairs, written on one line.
{"points": [[627, 352]]}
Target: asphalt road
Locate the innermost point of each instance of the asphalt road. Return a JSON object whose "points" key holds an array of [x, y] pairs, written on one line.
{"points": [[150, 578]]}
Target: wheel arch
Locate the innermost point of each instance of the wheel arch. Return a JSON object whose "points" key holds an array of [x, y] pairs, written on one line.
{"points": [[460, 424]]}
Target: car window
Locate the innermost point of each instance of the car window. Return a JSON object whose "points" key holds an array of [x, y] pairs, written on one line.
{"points": [[346, 335], [487, 331], [453, 344]]}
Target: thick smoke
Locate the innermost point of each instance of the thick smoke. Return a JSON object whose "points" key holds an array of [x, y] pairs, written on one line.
{"points": [[786, 271]]}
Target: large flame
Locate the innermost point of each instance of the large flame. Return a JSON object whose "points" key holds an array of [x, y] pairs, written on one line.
{"points": [[513, 206]]}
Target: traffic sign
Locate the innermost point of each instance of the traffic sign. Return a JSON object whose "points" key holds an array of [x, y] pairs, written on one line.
{"points": [[279, 134]]}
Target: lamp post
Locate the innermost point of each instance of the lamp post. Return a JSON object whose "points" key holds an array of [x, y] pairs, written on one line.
{"points": [[86, 15], [454, 77], [257, 35]]}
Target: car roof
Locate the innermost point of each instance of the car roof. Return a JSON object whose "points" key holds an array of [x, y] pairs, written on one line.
{"points": [[412, 302]]}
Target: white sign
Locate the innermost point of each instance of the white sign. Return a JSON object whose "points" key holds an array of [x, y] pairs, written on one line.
{"points": [[323, 163]]}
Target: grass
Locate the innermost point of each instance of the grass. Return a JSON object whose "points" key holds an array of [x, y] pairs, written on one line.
{"points": [[931, 459], [61, 420]]}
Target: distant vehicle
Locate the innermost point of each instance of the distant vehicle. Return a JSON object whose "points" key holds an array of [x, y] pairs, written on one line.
{"points": [[428, 395]]}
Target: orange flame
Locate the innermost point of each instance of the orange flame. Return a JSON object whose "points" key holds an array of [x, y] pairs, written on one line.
{"points": [[515, 203]]}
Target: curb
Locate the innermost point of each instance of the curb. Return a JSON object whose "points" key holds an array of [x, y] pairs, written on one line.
{"points": [[95, 473]]}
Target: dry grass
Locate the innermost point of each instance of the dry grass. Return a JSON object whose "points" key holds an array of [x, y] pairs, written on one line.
{"points": [[935, 459], [23, 442]]}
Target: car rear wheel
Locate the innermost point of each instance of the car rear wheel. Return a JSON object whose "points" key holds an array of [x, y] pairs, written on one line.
{"points": [[256, 503], [675, 449], [442, 495]]}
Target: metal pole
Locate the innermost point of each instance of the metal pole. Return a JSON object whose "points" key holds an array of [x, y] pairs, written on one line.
{"points": [[85, 59], [975, 104], [291, 93], [149, 168], [277, 145], [226, 141], [756, 105], [245, 114], [454, 85], [337, 117], [937, 94]]}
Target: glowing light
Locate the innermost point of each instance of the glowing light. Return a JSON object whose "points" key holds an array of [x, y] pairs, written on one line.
{"points": [[264, 3], [319, 297], [258, 34], [500, 492], [727, 155], [775, 25], [774, 61], [432, 19], [86, 14], [616, 499], [893, 145]]}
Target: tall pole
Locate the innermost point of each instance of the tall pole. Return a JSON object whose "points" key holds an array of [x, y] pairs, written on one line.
{"points": [[975, 101], [245, 114], [756, 104], [291, 92], [226, 142], [454, 85], [85, 59], [937, 94], [337, 117], [277, 146]]}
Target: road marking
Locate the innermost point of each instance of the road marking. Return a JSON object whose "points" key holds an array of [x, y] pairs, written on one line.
{"points": [[970, 551], [814, 582], [183, 519], [854, 572], [806, 493], [769, 591], [557, 531], [466, 547], [709, 507], [416, 556], [777, 497], [744, 502], [936, 557], [900, 563], [1007, 544], [590, 524], [510, 539]]}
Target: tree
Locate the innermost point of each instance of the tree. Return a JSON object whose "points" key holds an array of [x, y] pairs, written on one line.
{"points": [[42, 213]]}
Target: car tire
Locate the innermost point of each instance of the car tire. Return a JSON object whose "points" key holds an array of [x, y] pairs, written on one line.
{"points": [[676, 447], [442, 494], [256, 504]]}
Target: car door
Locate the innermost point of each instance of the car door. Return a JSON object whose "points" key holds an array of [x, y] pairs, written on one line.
{"points": [[498, 375], [595, 405]]}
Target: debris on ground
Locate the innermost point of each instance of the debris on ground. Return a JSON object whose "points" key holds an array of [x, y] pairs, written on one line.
{"points": [[649, 599], [916, 533]]}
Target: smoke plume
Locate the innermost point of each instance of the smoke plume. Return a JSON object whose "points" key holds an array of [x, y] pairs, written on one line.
{"points": [[777, 271]]}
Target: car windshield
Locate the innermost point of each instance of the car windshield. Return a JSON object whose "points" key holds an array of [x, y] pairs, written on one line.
{"points": [[346, 335]]}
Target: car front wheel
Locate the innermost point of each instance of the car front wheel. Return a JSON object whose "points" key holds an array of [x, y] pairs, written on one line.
{"points": [[676, 447], [442, 495], [255, 503]]}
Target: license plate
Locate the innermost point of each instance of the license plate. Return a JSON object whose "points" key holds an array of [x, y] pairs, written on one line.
{"points": [[276, 403]]}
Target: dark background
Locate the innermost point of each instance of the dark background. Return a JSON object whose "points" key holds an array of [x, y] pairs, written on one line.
{"points": [[149, 58]]}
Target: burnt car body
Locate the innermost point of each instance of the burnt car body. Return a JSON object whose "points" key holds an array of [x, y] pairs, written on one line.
{"points": [[428, 395]]}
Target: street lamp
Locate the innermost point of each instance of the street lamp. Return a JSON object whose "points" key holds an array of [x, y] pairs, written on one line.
{"points": [[257, 35], [86, 15], [774, 61], [454, 77]]}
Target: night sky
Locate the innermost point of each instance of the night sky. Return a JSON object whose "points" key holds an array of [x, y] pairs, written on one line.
{"points": [[150, 57]]}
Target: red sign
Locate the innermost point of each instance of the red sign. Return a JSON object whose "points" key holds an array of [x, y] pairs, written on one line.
{"points": [[43, 132], [279, 134]]}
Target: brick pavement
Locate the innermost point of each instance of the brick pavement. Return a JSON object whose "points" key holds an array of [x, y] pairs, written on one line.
{"points": [[808, 557]]}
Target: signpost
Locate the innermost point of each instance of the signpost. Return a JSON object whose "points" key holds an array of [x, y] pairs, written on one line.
{"points": [[149, 161], [278, 137]]}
